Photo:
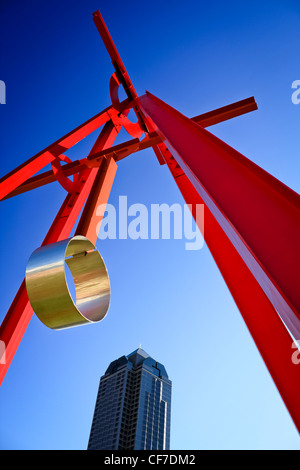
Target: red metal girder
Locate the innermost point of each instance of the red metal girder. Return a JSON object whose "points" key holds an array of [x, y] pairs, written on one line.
{"points": [[45, 178], [117, 151], [100, 191], [216, 116], [90, 220], [259, 214], [121, 72], [226, 112], [267, 330], [16, 177], [18, 316]]}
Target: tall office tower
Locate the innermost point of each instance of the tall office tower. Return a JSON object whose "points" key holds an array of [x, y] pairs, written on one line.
{"points": [[133, 406]]}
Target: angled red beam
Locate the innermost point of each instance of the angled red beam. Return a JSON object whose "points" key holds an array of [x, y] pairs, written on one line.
{"points": [[77, 166], [122, 150], [258, 213], [219, 115], [16, 177], [90, 219], [45, 178], [208, 119], [114, 55], [226, 112], [267, 330], [18, 316], [118, 65], [117, 152]]}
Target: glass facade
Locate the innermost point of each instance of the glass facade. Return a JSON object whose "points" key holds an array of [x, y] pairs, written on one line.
{"points": [[133, 406]]}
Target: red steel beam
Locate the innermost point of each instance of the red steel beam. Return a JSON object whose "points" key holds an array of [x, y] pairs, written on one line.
{"points": [[267, 330], [217, 116], [115, 56], [120, 151], [100, 190], [90, 220], [227, 112], [47, 177], [77, 166], [18, 316], [15, 178], [259, 214], [118, 65]]}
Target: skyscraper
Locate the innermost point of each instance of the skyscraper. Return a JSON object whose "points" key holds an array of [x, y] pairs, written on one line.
{"points": [[133, 406]]}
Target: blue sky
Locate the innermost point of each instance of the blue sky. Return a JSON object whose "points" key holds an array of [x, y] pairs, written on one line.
{"points": [[196, 56]]}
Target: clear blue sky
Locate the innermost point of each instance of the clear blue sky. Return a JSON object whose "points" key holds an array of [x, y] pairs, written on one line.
{"points": [[196, 56]]}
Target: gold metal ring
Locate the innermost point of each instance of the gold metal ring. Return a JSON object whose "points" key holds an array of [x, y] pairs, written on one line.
{"points": [[47, 286]]}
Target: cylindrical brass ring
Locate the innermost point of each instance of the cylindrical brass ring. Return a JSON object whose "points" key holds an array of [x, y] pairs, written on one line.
{"points": [[47, 285]]}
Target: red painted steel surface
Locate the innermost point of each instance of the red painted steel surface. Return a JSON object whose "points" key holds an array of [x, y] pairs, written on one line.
{"points": [[16, 177], [100, 190], [267, 330], [207, 119], [121, 73], [259, 214]]}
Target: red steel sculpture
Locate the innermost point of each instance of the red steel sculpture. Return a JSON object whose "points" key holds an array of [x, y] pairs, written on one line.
{"points": [[252, 220]]}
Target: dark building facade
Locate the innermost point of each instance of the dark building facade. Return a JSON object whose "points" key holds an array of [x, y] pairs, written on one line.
{"points": [[133, 406]]}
